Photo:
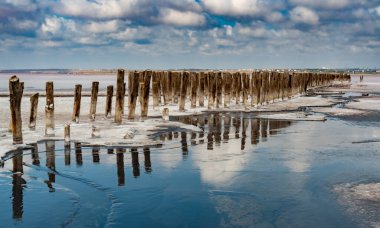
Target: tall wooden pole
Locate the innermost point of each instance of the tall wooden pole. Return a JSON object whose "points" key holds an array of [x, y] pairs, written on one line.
{"points": [[49, 109], [119, 96], [16, 90], [184, 85], [109, 101], [33, 111], [77, 101], [133, 91], [94, 99]]}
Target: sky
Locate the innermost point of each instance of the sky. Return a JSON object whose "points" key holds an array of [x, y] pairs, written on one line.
{"points": [[202, 34]]}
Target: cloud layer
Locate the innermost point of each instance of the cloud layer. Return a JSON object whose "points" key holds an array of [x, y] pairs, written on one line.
{"points": [[189, 33]]}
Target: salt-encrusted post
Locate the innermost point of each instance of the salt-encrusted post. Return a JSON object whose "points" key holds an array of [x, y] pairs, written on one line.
{"points": [[119, 96], [16, 89], [67, 134], [219, 88], [201, 93], [94, 99], [184, 85], [145, 88], [77, 101], [227, 88], [123, 98], [49, 110], [194, 89], [109, 101], [133, 91], [33, 111], [155, 94]]}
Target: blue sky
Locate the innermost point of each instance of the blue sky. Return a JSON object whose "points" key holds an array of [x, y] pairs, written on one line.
{"points": [[160, 34]]}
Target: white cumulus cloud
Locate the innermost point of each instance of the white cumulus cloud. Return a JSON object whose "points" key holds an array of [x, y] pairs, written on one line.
{"points": [[179, 18]]}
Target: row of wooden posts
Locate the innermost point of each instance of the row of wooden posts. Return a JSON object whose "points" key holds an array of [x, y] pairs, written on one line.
{"points": [[175, 87]]}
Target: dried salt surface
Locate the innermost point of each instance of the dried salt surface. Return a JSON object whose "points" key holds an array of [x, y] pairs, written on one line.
{"points": [[361, 200], [368, 103], [338, 111]]}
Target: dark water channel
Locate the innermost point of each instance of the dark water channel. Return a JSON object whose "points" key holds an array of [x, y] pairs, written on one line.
{"points": [[239, 172]]}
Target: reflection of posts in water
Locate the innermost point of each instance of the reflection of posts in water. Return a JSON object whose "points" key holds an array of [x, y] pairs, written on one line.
{"points": [[210, 140], [67, 154], [185, 150], [244, 132], [147, 162], [78, 154], [217, 129], [255, 131], [35, 155], [201, 126], [17, 186], [264, 130], [194, 121], [175, 135], [50, 159], [237, 122], [120, 167], [227, 125], [135, 162], [110, 151], [95, 155], [170, 135], [273, 126]]}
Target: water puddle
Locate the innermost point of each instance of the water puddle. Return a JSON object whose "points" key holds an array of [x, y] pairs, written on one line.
{"points": [[240, 171]]}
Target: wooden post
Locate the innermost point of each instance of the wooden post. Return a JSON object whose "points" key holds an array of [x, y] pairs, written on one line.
{"points": [[211, 90], [16, 90], [165, 114], [109, 101], [184, 84], [119, 96], [227, 89], [33, 111], [77, 101], [133, 91], [218, 88], [49, 109], [94, 99], [67, 134], [155, 90], [144, 93], [201, 94], [194, 89]]}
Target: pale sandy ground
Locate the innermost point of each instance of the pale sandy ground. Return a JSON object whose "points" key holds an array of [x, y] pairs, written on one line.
{"points": [[113, 135]]}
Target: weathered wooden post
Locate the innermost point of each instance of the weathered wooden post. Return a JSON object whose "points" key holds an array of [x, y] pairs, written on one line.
{"points": [[155, 95], [211, 90], [77, 101], [123, 98], [94, 99], [49, 109], [194, 89], [67, 134], [33, 111], [133, 91], [109, 101], [16, 90], [201, 93], [227, 89], [184, 84], [165, 114], [119, 96], [144, 93], [218, 88]]}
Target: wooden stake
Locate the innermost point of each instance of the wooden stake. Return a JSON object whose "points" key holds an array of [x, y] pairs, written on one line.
{"points": [[16, 90], [155, 91], [49, 110], [194, 89], [218, 88], [77, 101], [33, 111], [133, 92], [119, 96], [94, 99], [184, 85], [201, 94], [109, 101], [144, 92]]}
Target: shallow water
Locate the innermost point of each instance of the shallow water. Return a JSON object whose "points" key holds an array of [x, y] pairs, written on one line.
{"points": [[240, 172]]}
